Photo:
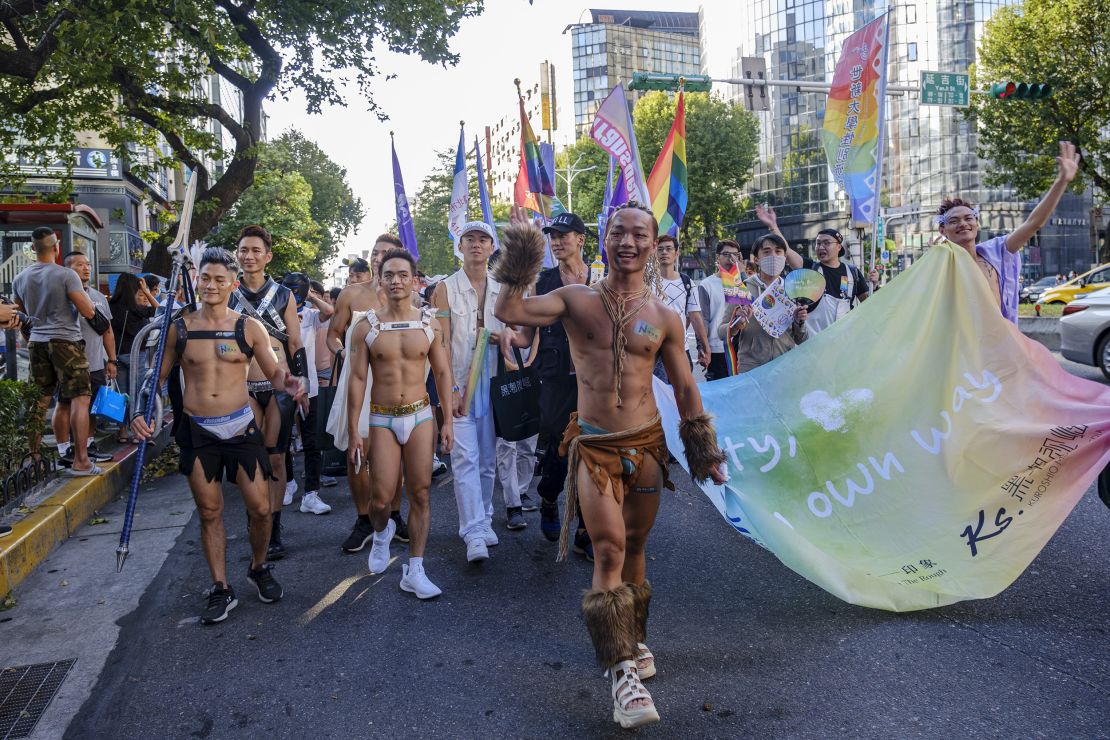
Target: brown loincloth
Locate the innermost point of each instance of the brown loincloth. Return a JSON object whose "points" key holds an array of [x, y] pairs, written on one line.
{"points": [[604, 456]]}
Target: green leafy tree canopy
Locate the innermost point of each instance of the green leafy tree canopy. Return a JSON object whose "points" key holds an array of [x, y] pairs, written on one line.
{"points": [[1066, 44], [281, 202], [139, 72], [722, 143]]}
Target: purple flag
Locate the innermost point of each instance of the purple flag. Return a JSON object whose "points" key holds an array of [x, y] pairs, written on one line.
{"points": [[405, 228]]}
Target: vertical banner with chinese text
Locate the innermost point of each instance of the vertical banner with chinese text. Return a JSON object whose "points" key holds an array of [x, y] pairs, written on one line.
{"points": [[855, 115]]}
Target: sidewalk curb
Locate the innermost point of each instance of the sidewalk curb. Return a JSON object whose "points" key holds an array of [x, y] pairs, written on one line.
{"points": [[53, 521]]}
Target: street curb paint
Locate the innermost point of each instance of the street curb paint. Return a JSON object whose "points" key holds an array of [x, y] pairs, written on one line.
{"points": [[57, 517]]}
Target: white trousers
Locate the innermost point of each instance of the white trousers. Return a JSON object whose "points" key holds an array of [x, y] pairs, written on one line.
{"points": [[516, 464], [473, 467]]}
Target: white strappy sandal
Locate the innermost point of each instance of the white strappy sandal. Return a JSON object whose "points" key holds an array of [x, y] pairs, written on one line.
{"points": [[627, 689], [645, 662]]}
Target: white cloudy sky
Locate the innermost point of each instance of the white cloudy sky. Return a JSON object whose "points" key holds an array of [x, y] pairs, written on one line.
{"points": [[424, 103]]}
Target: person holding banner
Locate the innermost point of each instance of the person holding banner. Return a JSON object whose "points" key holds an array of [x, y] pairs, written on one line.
{"points": [[464, 304], [219, 434], [1000, 258], [396, 342], [615, 441], [754, 346]]}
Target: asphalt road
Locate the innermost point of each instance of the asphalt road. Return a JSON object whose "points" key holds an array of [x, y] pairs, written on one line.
{"points": [[744, 646]]}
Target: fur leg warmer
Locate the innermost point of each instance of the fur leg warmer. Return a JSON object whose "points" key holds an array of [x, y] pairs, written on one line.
{"points": [[522, 248], [641, 598], [699, 440], [610, 617]]}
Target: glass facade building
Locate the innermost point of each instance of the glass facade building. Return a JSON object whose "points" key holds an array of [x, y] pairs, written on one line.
{"points": [[930, 151], [617, 43]]}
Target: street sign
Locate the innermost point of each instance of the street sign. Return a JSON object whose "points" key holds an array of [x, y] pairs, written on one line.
{"points": [[945, 88], [754, 68]]}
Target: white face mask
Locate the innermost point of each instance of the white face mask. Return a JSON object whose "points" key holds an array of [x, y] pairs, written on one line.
{"points": [[772, 264]]}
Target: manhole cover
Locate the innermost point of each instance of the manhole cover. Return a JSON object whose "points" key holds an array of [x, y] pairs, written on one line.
{"points": [[25, 693]]}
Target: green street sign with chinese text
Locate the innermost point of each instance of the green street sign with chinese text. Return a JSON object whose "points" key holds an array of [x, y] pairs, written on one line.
{"points": [[945, 88]]}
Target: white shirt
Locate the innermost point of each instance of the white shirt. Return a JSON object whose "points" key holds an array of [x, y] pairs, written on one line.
{"points": [[679, 299], [310, 322]]}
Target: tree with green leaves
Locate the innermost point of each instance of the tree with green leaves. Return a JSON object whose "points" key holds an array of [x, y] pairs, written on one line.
{"points": [[139, 73], [722, 143], [334, 207], [1064, 43], [282, 203]]}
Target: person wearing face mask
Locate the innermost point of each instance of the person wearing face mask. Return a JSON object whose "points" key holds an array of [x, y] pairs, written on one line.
{"points": [[845, 285], [754, 346]]}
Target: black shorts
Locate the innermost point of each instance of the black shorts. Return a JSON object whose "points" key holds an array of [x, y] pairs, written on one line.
{"points": [[286, 406], [219, 456]]}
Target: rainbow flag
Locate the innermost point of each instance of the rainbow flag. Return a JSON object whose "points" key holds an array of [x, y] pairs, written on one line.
{"points": [[667, 181], [535, 187], [853, 133]]}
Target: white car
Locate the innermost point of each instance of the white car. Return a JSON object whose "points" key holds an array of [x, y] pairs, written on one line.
{"points": [[1085, 331]]}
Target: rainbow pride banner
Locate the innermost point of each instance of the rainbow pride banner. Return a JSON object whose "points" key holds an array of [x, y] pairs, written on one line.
{"points": [[855, 115], [932, 470], [667, 181]]}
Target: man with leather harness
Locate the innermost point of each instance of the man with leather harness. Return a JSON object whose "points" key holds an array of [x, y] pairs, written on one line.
{"points": [[218, 432], [260, 298]]}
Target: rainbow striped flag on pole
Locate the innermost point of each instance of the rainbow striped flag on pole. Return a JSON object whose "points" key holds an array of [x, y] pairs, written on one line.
{"points": [[667, 181], [534, 183]]}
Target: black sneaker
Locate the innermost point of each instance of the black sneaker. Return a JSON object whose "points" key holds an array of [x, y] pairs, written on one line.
{"points": [[66, 460], [514, 519], [402, 533], [221, 600], [527, 503], [549, 520], [360, 536], [583, 545], [5, 530], [97, 456], [269, 590]]}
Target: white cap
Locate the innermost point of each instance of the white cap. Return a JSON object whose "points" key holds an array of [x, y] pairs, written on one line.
{"points": [[481, 226]]}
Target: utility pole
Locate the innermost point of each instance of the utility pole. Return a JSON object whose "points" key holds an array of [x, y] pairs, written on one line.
{"points": [[573, 170]]}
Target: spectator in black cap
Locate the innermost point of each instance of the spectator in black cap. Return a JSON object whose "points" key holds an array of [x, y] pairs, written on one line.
{"points": [[555, 369], [845, 285]]}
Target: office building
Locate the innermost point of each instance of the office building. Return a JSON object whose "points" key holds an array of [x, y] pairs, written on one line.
{"points": [[931, 150], [615, 44]]}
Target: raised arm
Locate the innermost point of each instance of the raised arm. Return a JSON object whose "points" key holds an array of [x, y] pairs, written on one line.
{"points": [[326, 309], [1067, 165], [522, 251], [765, 213]]}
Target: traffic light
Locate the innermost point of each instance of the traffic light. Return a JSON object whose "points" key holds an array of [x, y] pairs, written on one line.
{"points": [[653, 81], [1021, 90]]}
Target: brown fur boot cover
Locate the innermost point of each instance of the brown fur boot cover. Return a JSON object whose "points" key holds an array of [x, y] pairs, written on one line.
{"points": [[699, 440], [610, 617], [641, 598], [522, 248]]}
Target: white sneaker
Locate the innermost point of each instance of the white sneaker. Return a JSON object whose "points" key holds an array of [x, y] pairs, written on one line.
{"points": [[476, 550], [489, 536], [311, 503], [379, 551], [290, 491], [438, 466], [414, 581]]}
